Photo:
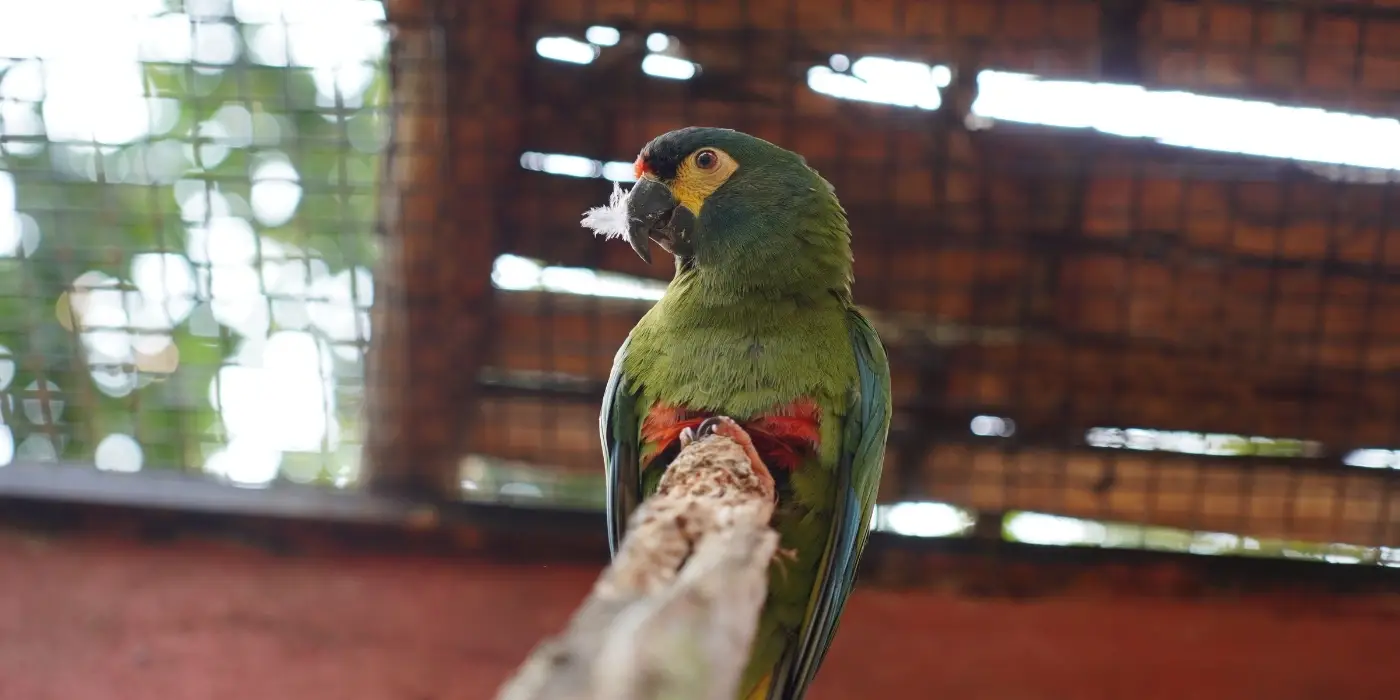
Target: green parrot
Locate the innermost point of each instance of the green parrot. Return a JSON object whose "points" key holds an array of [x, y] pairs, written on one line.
{"points": [[757, 324]]}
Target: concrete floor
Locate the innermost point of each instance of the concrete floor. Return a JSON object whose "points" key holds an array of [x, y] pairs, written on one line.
{"points": [[83, 618]]}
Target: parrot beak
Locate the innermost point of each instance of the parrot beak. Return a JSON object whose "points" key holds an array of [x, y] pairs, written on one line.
{"points": [[653, 214]]}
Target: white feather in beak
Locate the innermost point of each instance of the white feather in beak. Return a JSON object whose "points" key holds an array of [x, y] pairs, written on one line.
{"points": [[609, 221]]}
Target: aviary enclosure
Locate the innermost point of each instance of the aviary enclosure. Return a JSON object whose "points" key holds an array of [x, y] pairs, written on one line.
{"points": [[1132, 259]]}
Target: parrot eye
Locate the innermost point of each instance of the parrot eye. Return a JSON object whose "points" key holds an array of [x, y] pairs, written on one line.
{"points": [[706, 160]]}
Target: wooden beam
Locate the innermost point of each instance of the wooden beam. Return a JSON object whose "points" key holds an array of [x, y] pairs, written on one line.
{"points": [[523, 539], [169, 491], [675, 613], [1120, 53], [454, 142]]}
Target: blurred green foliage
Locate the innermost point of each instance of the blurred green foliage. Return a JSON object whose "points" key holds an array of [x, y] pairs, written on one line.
{"points": [[94, 207]]}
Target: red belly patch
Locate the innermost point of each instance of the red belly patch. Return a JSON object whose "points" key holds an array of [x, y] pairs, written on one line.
{"points": [[782, 437]]}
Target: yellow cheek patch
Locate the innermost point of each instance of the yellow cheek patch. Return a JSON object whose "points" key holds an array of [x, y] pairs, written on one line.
{"points": [[693, 186]]}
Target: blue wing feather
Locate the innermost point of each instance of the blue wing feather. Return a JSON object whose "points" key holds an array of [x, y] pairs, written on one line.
{"points": [[620, 429], [864, 434]]}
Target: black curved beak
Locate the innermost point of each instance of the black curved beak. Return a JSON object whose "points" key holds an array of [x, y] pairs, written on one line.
{"points": [[653, 214]]}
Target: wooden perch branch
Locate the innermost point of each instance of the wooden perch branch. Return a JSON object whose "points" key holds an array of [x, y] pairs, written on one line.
{"points": [[673, 616]]}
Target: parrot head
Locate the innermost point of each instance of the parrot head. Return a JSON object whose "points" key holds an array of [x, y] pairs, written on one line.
{"points": [[722, 200]]}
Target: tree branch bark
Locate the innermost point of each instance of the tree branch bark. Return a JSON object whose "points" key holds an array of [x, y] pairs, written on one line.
{"points": [[673, 616]]}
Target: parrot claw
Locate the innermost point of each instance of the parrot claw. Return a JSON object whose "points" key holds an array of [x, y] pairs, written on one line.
{"points": [[725, 426], [711, 426], [782, 557], [687, 437]]}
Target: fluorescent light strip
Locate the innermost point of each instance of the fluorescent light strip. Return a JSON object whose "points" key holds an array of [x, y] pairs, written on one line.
{"points": [[602, 36], [1188, 120], [882, 80], [656, 64], [1171, 117], [566, 50], [1187, 442], [669, 67], [516, 273], [576, 166]]}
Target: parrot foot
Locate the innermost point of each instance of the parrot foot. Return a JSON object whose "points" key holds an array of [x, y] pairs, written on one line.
{"points": [[782, 557], [725, 426], [687, 437]]}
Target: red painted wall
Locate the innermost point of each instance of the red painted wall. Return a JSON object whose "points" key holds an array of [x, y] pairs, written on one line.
{"points": [[83, 619]]}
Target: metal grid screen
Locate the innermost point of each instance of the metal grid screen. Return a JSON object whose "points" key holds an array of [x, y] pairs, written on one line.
{"points": [[1131, 260], [187, 198]]}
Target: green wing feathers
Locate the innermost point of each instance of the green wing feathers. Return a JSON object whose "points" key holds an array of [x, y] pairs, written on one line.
{"points": [[757, 324], [863, 437], [793, 637]]}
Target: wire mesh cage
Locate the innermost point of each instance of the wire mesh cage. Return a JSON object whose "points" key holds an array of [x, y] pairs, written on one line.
{"points": [[1131, 260], [188, 201]]}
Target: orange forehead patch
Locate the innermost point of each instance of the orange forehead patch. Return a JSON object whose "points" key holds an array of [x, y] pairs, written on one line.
{"points": [[639, 167]]}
